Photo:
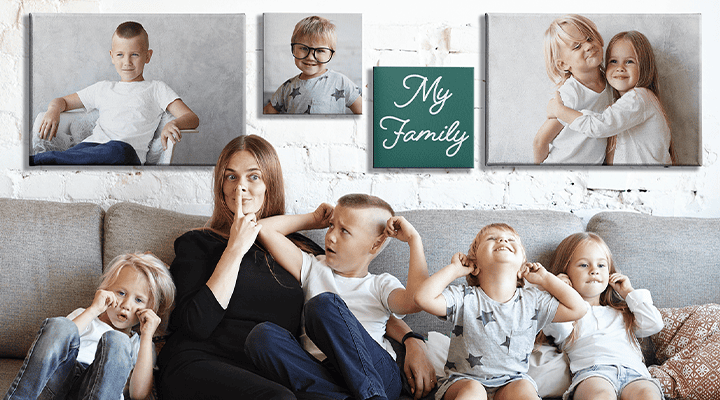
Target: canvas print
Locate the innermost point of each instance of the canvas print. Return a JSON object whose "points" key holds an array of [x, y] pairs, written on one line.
{"points": [[423, 117], [135, 89], [595, 89], [313, 64]]}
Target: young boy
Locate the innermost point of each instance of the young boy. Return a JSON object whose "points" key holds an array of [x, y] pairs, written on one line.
{"points": [[317, 90], [346, 308], [130, 110], [496, 319]]}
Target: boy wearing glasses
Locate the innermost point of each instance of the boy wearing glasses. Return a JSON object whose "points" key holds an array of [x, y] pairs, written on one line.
{"points": [[316, 90]]}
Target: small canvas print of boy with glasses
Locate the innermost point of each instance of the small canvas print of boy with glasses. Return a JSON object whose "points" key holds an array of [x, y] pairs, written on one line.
{"points": [[317, 89]]}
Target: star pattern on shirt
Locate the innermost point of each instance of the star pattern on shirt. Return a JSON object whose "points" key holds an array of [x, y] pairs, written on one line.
{"points": [[450, 310], [324, 77], [339, 94], [450, 365], [308, 110], [537, 315], [526, 359], [467, 290], [295, 92], [487, 317], [518, 298], [474, 360], [458, 330], [506, 343]]}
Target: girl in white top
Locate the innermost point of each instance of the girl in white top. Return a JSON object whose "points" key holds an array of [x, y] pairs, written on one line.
{"points": [[605, 357], [636, 122], [574, 61], [91, 353]]}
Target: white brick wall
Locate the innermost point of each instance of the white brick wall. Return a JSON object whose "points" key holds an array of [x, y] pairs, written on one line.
{"points": [[324, 158]]}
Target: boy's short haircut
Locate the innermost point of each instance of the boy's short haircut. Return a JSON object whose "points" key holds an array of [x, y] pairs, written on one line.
{"points": [[473, 280], [317, 28], [131, 29], [555, 34], [162, 287], [362, 201]]}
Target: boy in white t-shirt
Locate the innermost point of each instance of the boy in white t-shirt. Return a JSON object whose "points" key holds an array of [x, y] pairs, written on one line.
{"points": [[130, 110], [346, 307]]}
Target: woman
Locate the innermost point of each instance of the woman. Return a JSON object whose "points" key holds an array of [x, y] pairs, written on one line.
{"points": [[226, 284]]}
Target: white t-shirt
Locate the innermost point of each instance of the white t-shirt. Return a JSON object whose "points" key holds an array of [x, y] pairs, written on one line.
{"points": [[129, 111], [366, 298], [570, 146], [643, 135], [90, 337], [602, 339]]}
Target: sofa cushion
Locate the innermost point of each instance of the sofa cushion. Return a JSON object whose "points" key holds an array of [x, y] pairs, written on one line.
{"points": [[50, 263], [446, 232], [131, 227], [682, 248]]}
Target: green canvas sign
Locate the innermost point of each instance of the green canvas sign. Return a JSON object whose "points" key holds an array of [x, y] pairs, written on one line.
{"points": [[423, 117]]}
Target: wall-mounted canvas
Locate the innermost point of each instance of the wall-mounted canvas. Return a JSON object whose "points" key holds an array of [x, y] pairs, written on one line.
{"points": [[624, 119], [312, 64], [423, 117], [200, 57]]}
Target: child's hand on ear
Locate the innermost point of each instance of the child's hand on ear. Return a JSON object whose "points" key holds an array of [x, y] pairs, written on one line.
{"points": [[621, 284], [322, 216], [554, 105], [102, 301], [149, 321], [533, 272], [464, 263], [400, 228]]}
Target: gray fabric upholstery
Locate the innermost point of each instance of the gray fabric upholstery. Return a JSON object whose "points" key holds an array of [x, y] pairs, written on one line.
{"points": [[50, 262], [673, 257], [131, 227]]}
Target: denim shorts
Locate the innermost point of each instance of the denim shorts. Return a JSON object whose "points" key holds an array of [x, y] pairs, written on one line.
{"points": [[617, 375], [491, 385]]}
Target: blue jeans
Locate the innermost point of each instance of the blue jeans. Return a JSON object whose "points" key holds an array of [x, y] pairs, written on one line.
{"points": [[114, 152], [51, 371], [356, 365]]}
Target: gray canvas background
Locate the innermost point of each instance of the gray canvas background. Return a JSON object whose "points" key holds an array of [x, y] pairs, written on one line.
{"points": [[202, 57], [518, 88], [279, 65]]}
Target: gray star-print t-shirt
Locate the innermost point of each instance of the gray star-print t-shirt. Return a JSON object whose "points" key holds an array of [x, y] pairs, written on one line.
{"points": [[329, 93], [492, 339]]}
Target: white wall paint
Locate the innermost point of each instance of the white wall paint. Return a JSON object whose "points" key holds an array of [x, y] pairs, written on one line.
{"points": [[324, 158]]}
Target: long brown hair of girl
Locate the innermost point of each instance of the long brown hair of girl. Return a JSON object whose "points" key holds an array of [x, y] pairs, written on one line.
{"points": [[559, 264]]}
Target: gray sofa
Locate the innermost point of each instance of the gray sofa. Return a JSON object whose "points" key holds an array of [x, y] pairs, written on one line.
{"points": [[51, 255]]}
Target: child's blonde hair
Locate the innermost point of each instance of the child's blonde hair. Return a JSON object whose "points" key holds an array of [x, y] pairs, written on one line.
{"points": [[559, 264], [316, 27], [162, 287], [648, 74], [555, 35], [474, 280]]}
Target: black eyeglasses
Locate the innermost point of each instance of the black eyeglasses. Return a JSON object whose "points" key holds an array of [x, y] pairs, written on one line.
{"points": [[321, 54]]}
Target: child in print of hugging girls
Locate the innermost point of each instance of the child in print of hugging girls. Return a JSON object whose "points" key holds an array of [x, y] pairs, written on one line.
{"points": [[317, 90], [573, 59], [495, 317], [605, 357], [637, 117], [91, 353]]}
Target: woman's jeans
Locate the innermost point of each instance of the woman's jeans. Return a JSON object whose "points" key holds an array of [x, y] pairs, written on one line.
{"points": [[50, 370], [356, 364]]}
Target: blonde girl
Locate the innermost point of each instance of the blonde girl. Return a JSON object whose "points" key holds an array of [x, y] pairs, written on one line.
{"points": [[91, 353], [574, 62], [637, 117], [604, 354]]}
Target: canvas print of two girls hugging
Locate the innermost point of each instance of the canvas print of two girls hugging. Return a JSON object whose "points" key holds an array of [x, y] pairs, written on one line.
{"points": [[605, 111]]}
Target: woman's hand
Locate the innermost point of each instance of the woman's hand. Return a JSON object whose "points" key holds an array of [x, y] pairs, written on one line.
{"points": [[149, 321], [244, 229], [419, 371]]}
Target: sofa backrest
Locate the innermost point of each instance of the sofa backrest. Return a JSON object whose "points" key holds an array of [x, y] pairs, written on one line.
{"points": [[50, 264], [446, 232], [673, 257], [131, 227]]}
